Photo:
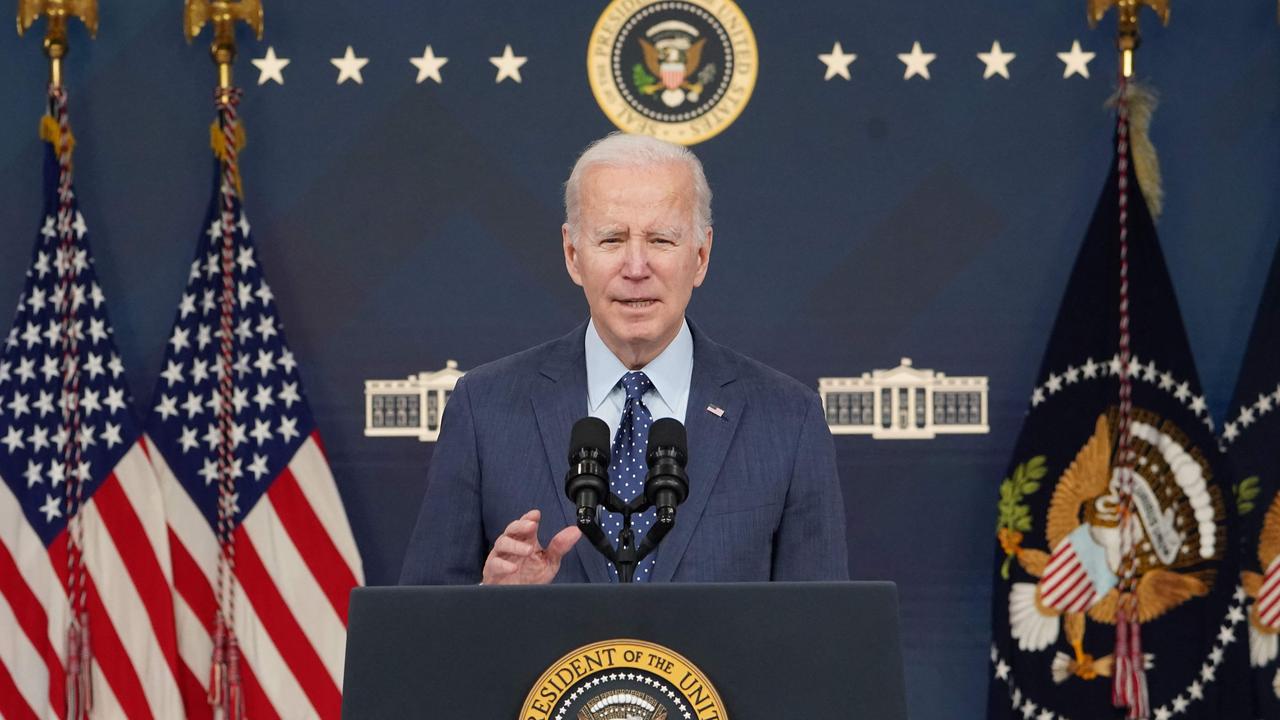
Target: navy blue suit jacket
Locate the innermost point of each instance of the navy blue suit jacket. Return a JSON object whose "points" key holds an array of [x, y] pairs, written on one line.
{"points": [[764, 497]]}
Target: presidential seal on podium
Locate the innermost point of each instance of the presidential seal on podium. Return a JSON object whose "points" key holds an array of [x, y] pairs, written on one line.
{"points": [[623, 680]]}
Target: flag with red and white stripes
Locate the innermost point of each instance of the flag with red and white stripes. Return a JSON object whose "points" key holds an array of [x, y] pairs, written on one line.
{"points": [[263, 556], [86, 611]]}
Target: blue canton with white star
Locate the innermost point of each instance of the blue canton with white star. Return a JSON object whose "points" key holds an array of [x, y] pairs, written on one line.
{"points": [[32, 436], [272, 418]]}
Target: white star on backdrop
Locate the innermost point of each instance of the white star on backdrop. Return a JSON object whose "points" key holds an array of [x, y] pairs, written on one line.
{"points": [[917, 62], [1076, 61], [429, 65], [349, 67], [270, 67], [997, 61], [837, 62], [508, 65]]}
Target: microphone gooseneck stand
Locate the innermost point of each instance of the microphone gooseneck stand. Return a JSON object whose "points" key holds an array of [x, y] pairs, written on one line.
{"points": [[665, 487]]}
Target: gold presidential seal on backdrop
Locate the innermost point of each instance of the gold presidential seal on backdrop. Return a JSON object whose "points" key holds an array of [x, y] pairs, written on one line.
{"points": [[623, 680], [679, 70]]}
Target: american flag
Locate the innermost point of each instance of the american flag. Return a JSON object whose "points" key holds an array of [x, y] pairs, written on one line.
{"points": [[294, 559], [86, 611]]}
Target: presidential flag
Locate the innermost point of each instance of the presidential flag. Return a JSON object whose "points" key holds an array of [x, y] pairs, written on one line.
{"points": [[1116, 591], [86, 612], [1252, 438], [263, 556]]}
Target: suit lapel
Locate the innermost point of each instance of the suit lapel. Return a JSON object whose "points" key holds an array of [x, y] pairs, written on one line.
{"points": [[558, 402], [709, 438]]}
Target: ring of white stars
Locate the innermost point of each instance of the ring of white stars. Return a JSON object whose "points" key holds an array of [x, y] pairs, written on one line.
{"points": [[350, 67], [837, 62], [429, 65], [1148, 372], [1022, 702], [917, 62], [652, 682], [508, 64], [1248, 414]]}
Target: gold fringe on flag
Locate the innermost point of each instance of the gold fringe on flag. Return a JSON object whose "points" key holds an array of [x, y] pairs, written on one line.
{"points": [[52, 134]]}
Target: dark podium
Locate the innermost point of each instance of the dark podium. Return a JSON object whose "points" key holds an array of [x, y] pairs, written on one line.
{"points": [[772, 650]]}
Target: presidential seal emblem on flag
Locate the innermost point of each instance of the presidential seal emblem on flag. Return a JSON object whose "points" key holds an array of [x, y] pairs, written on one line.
{"points": [[1116, 577], [680, 70], [623, 680], [1178, 528]]}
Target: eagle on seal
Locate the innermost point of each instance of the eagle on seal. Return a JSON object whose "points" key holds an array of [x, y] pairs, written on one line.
{"points": [[1079, 579]]}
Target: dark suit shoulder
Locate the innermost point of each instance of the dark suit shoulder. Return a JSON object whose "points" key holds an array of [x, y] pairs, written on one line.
{"points": [[512, 376]]}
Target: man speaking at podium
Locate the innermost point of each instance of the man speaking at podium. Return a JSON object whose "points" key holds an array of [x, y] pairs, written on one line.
{"points": [[764, 499]]}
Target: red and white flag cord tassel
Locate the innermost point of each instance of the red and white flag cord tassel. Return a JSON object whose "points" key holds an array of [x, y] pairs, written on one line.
{"points": [[79, 681], [1129, 689], [225, 690]]}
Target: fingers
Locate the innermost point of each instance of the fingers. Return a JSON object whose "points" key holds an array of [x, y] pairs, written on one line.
{"points": [[562, 543], [517, 556], [524, 528], [497, 570], [509, 547]]}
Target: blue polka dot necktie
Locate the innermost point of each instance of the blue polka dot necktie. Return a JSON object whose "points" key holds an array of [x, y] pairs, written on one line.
{"points": [[626, 473]]}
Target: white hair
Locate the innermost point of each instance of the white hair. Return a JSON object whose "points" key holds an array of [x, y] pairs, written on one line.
{"points": [[619, 149]]}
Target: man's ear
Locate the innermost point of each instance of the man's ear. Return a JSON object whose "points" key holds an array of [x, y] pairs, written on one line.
{"points": [[570, 255], [704, 259]]}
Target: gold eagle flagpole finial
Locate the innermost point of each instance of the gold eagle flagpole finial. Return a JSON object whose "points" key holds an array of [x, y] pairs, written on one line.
{"points": [[223, 14], [1127, 36], [55, 34]]}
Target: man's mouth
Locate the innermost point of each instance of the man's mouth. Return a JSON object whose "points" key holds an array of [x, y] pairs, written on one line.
{"points": [[637, 304]]}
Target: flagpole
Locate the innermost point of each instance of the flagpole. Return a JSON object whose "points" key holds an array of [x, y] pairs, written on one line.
{"points": [[56, 130], [225, 692], [1128, 39], [1129, 680]]}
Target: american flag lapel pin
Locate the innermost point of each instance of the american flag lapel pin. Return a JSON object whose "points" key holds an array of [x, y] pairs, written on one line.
{"points": [[715, 410]]}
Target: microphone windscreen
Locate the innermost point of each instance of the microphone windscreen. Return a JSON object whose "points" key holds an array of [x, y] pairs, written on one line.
{"points": [[590, 433], [668, 433]]}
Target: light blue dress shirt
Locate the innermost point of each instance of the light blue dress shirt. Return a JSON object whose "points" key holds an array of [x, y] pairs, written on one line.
{"points": [[671, 373]]}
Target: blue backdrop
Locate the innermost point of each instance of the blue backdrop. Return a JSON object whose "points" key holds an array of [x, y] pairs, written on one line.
{"points": [[858, 221]]}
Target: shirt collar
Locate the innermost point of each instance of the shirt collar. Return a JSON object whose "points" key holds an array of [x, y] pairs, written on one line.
{"points": [[668, 372]]}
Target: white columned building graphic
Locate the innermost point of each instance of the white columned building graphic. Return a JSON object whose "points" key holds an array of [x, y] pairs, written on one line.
{"points": [[905, 403], [409, 408]]}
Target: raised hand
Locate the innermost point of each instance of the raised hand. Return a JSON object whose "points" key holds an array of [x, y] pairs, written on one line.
{"points": [[518, 559]]}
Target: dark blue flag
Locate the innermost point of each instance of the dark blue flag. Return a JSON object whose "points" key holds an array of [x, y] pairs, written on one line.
{"points": [[1252, 437], [1064, 520]]}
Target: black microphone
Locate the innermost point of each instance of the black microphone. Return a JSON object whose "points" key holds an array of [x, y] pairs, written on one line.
{"points": [[587, 482], [666, 485]]}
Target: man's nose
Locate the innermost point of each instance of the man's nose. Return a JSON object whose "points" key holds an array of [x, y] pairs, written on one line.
{"points": [[635, 261]]}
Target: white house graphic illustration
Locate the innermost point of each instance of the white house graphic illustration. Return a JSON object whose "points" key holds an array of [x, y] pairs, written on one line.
{"points": [[411, 407], [905, 403]]}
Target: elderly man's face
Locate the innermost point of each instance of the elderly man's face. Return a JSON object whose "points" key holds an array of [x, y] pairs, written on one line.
{"points": [[637, 258]]}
